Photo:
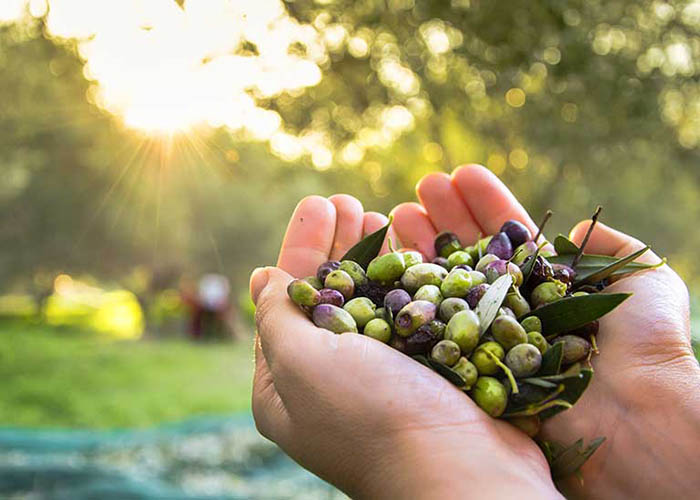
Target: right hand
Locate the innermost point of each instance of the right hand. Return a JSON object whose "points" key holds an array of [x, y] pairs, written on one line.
{"points": [[645, 395]]}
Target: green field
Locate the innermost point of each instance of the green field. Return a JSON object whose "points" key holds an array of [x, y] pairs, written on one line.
{"points": [[53, 378], [57, 379]]}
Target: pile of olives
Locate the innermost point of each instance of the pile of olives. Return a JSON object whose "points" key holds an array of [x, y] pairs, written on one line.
{"points": [[429, 309]]}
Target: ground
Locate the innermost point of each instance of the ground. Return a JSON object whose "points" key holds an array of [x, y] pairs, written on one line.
{"points": [[59, 379], [54, 378]]}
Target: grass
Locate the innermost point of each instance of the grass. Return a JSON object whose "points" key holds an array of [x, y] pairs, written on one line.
{"points": [[52, 378]]}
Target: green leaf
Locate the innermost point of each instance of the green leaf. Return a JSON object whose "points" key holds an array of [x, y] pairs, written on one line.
{"points": [[606, 271], [368, 247], [564, 246], [487, 308], [551, 360], [591, 263], [529, 266], [567, 460], [573, 312], [574, 387], [443, 370], [572, 371], [546, 384]]}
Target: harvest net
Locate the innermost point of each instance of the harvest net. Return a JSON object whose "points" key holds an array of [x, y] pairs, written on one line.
{"points": [[203, 458]]}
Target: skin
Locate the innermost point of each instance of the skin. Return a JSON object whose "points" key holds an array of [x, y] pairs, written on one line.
{"points": [[356, 412], [644, 397]]}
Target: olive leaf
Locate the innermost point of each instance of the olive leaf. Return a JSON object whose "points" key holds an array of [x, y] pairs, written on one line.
{"points": [[602, 273], [534, 400], [368, 247], [572, 312], [529, 266], [564, 246], [591, 263], [487, 308], [572, 371], [443, 370], [551, 360], [573, 389], [567, 460], [541, 382]]}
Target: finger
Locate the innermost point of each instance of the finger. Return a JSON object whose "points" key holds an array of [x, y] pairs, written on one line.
{"points": [[309, 237], [414, 229], [374, 221], [445, 207], [269, 412], [605, 240], [349, 223], [489, 201], [284, 330]]}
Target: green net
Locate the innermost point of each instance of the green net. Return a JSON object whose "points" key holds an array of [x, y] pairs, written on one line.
{"points": [[203, 458]]}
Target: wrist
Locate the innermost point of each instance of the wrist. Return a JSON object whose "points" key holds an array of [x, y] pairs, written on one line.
{"points": [[459, 463]]}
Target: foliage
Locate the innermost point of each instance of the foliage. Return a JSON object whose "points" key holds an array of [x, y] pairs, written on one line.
{"points": [[571, 103]]}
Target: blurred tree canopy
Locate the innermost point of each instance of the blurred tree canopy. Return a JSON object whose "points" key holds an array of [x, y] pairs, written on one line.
{"points": [[572, 103]]}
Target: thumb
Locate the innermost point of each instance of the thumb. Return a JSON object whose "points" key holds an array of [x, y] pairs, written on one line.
{"points": [[258, 280], [283, 328]]}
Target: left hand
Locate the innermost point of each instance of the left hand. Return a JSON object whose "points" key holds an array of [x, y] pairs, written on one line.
{"points": [[360, 414]]}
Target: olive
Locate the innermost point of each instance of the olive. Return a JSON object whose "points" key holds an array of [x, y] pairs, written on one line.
{"points": [[508, 332], [524, 360], [484, 363], [490, 395]]}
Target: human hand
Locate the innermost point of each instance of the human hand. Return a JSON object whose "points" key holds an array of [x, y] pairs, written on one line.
{"points": [[644, 396], [360, 414]]}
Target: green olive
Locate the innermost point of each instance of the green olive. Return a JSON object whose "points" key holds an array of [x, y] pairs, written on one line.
{"points": [[361, 309], [484, 363], [524, 360], [431, 293], [386, 268], [538, 340], [456, 284], [508, 332], [445, 352], [378, 329], [490, 395], [463, 328]]}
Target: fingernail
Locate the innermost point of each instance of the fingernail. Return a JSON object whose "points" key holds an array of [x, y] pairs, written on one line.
{"points": [[258, 281]]}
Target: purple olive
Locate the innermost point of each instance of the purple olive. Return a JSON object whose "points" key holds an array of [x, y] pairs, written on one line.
{"points": [[563, 273], [414, 315], [440, 261], [422, 341], [334, 319], [542, 271], [500, 246], [395, 300], [446, 243], [475, 293], [498, 268], [330, 296], [517, 232], [325, 268]]}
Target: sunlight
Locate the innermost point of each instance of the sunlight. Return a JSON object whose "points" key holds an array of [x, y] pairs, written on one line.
{"points": [[165, 69]]}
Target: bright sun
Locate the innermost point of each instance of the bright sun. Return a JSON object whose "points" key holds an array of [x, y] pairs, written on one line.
{"points": [[164, 69]]}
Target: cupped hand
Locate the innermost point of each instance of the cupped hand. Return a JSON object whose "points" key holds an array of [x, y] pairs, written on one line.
{"points": [[644, 397], [360, 414]]}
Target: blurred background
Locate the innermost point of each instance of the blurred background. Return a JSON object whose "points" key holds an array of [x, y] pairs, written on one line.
{"points": [[151, 152]]}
